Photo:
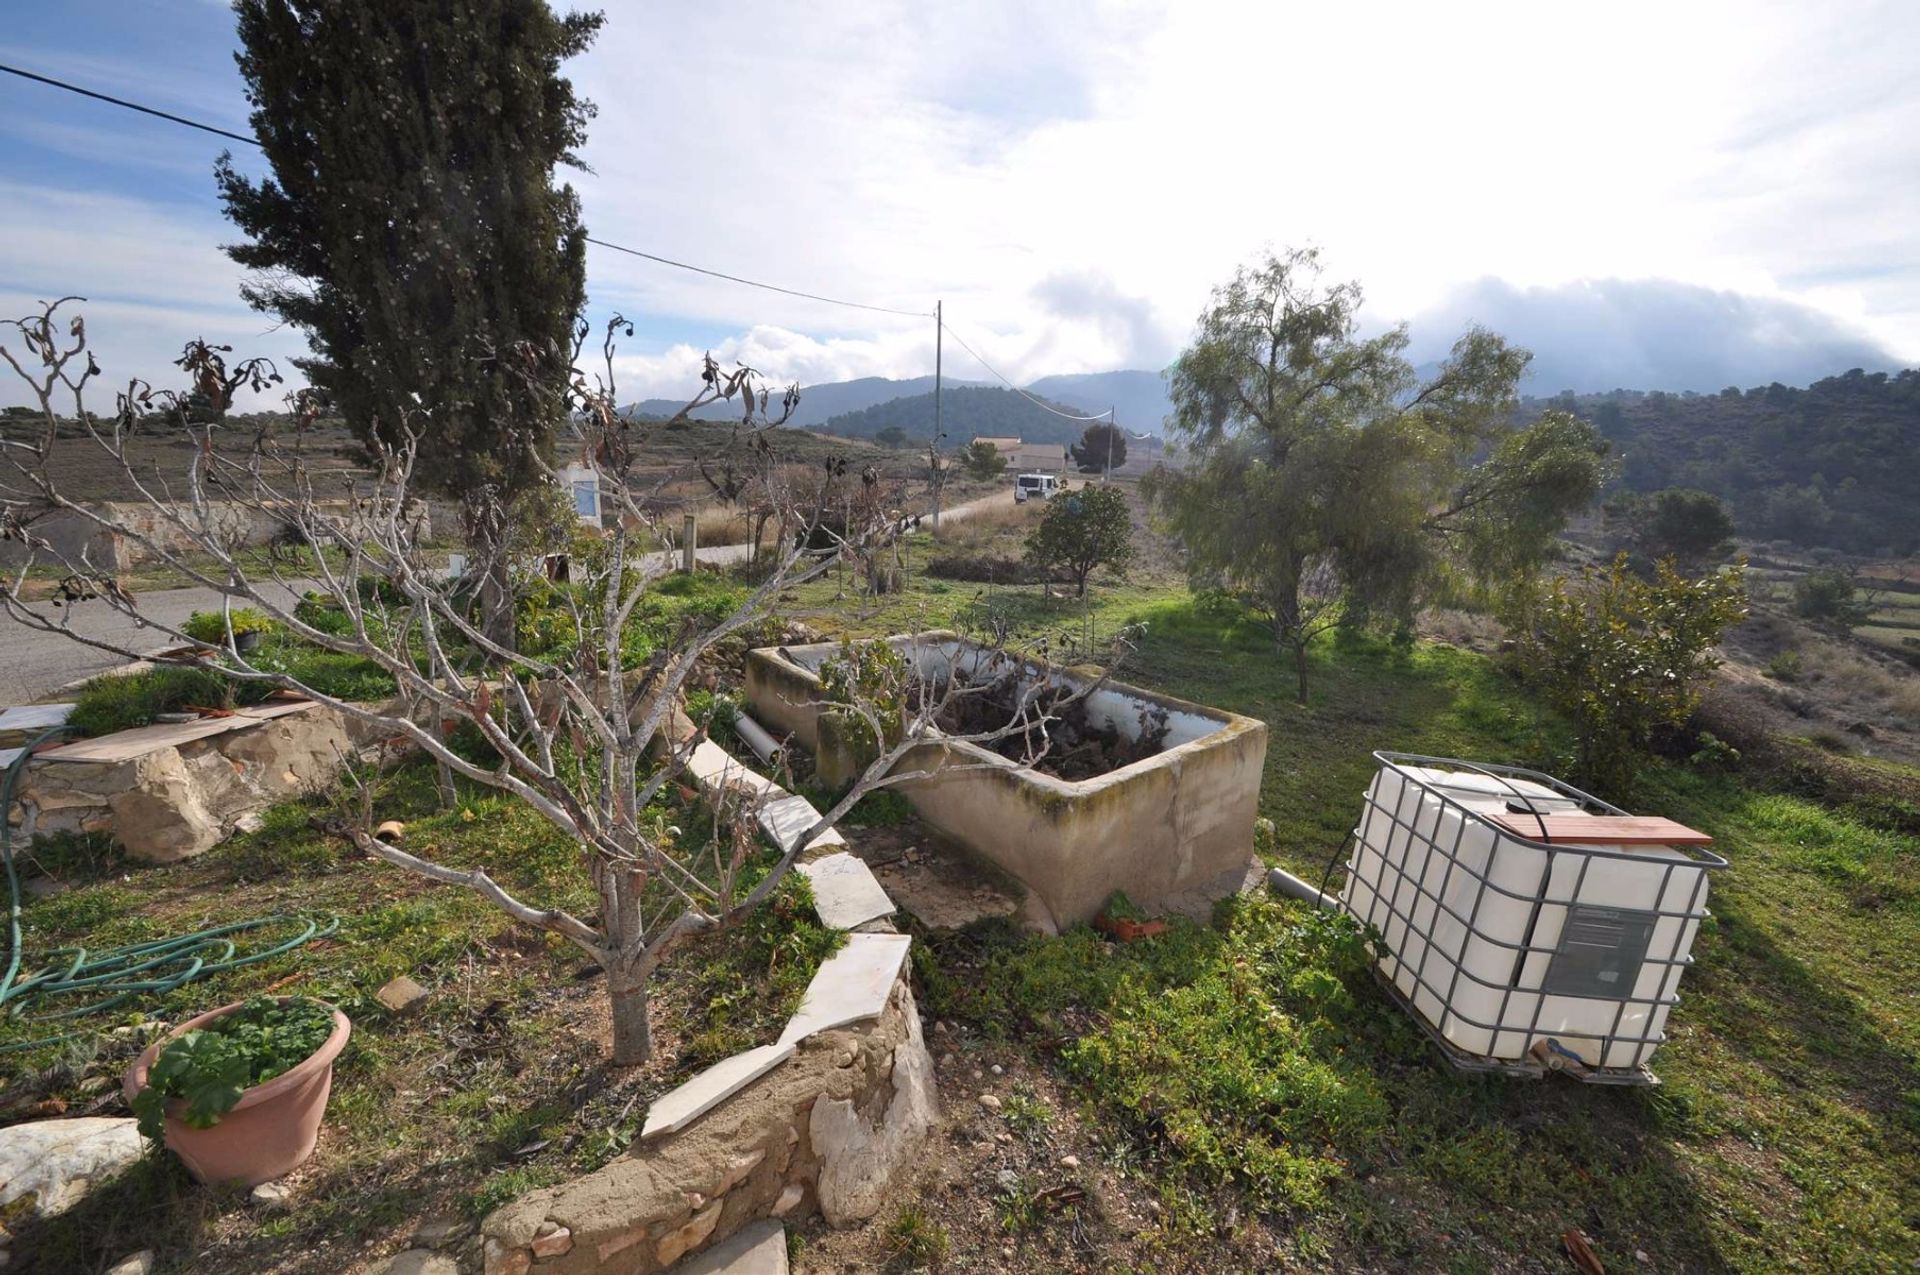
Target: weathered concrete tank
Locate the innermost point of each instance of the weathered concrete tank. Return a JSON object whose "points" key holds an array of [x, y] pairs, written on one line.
{"points": [[1173, 830]]}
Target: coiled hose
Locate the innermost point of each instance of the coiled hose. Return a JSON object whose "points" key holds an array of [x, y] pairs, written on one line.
{"points": [[110, 977]]}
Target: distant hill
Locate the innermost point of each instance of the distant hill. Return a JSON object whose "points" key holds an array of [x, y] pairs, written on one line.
{"points": [[964, 412], [818, 403], [1138, 398], [1834, 465]]}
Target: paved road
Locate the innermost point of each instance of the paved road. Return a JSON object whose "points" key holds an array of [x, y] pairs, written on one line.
{"points": [[34, 664]]}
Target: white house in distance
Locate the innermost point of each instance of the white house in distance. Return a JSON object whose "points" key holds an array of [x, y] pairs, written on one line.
{"points": [[583, 485]]}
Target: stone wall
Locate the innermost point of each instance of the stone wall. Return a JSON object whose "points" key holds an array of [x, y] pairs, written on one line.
{"points": [[74, 536], [169, 793], [824, 1130]]}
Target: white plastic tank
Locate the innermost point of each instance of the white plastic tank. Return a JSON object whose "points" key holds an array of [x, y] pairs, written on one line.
{"points": [[1500, 941]]}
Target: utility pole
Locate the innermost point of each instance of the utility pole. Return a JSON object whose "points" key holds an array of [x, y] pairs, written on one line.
{"points": [[939, 328]]}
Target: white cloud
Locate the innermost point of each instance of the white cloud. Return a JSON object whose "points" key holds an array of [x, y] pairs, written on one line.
{"points": [[1071, 179]]}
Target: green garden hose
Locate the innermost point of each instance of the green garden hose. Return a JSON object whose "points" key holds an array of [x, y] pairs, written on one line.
{"points": [[110, 977]]}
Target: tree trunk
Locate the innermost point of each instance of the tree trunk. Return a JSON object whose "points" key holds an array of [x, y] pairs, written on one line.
{"points": [[1300, 669], [632, 1036], [496, 602]]}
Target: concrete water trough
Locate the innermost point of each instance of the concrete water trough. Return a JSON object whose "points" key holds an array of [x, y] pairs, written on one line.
{"points": [[1172, 830]]}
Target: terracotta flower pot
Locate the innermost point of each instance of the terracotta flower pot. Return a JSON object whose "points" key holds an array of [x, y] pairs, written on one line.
{"points": [[271, 1129]]}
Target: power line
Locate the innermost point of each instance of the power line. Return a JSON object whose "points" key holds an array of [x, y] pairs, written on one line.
{"points": [[1035, 400], [752, 283], [665, 261], [131, 106]]}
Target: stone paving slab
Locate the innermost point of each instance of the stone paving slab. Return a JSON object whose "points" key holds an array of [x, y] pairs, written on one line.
{"points": [[786, 819], [7, 756], [758, 1248], [851, 986], [845, 892], [128, 744], [34, 718], [716, 770], [680, 1107]]}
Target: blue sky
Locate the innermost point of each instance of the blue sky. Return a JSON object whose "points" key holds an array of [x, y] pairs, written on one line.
{"points": [[1615, 185]]}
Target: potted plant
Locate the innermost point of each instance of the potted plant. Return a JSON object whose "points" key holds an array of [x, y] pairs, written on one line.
{"points": [[210, 627], [238, 1092]]}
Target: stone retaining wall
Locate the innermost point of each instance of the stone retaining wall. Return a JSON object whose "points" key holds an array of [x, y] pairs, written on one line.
{"points": [[825, 1130], [167, 793]]}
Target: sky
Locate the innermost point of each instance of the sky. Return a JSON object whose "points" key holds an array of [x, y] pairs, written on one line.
{"points": [[1648, 195]]}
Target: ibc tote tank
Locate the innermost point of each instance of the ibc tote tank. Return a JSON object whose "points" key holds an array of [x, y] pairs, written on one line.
{"points": [[1501, 942]]}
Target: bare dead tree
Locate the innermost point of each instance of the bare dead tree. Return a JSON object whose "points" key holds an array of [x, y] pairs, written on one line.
{"points": [[584, 737]]}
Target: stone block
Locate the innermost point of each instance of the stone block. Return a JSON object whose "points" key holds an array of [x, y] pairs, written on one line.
{"points": [[851, 986], [845, 893], [758, 1248], [57, 1162], [680, 1107]]}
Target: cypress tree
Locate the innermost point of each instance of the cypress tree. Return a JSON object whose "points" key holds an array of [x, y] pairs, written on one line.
{"points": [[413, 230]]}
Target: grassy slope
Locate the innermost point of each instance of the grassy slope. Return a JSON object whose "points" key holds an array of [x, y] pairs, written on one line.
{"points": [[497, 1084], [1785, 1133]]}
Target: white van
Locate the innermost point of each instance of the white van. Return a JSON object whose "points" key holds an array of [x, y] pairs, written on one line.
{"points": [[1034, 486]]}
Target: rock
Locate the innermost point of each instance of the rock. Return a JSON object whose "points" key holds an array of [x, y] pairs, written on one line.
{"points": [[997, 1070], [556, 1242], [437, 1232], [271, 1195], [978, 1074], [858, 1160], [139, 1264], [503, 1260], [419, 1261], [789, 1200], [1069, 1161], [678, 1243], [57, 1162], [1006, 1179], [990, 1102], [400, 995], [758, 1248]]}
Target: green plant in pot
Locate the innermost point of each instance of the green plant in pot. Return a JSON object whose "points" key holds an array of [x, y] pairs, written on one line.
{"points": [[238, 1093], [210, 627]]}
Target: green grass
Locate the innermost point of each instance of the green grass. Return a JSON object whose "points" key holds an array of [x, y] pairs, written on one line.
{"points": [[498, 1083], [1253, 1065]]}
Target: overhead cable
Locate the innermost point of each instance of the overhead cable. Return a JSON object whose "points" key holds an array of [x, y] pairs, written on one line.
{"points": [[665, 261], [1035, 399]]}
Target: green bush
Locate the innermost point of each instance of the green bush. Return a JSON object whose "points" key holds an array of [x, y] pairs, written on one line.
{"points": [[1785, 667], [117, 702], [210, 627], [1830, 596]]}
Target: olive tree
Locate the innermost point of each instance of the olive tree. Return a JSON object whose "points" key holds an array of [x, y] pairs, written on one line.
{"points": [[1326, 477], [584, 734]]}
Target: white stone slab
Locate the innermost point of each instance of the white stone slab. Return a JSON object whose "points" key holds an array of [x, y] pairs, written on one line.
{"points": [[7, 756], [680, 1107], [789, 818], [845, 893], [716, 770], [35, 717], [758, 1248], [851, 986]]}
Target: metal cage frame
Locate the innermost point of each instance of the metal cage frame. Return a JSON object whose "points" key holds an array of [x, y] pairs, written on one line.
{"points": [[1388, 893]]}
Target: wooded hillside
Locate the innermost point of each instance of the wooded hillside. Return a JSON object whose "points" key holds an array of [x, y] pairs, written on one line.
{"points": [[1835, 465], [963, 414]]}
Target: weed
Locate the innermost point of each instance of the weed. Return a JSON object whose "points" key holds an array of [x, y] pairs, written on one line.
{"points": [[914, 1241], [1018, 1205], [1026, 1114]]}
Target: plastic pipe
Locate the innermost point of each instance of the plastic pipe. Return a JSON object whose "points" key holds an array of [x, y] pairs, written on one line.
{"points": [[764, 746], [1292, 886]]}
